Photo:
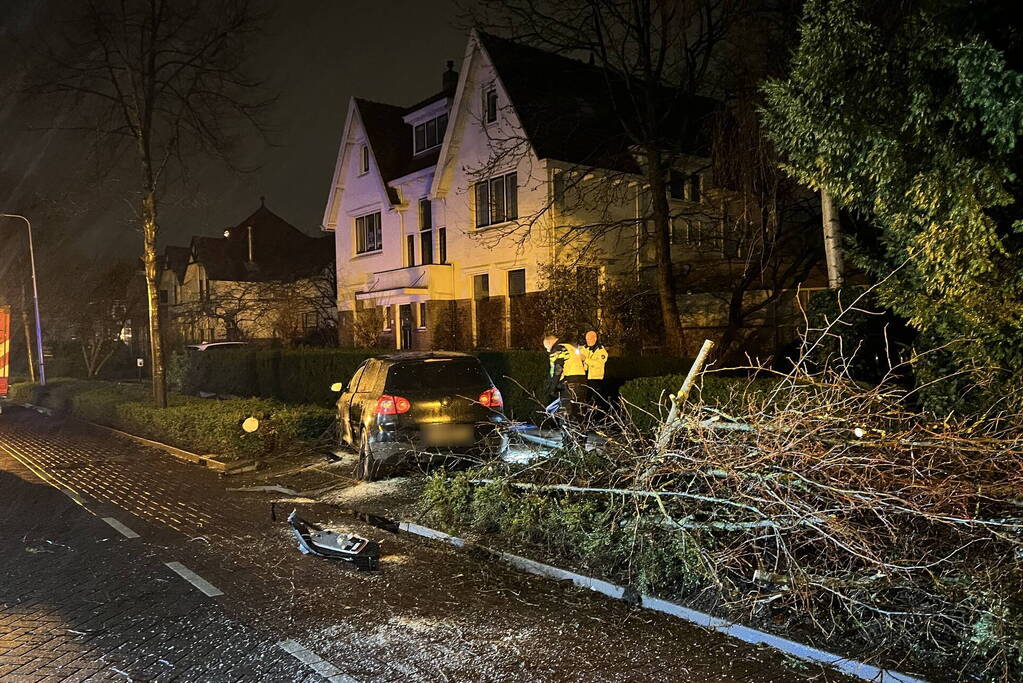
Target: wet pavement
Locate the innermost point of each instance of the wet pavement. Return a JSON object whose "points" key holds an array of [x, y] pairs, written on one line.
{"points": [[81, 601]]}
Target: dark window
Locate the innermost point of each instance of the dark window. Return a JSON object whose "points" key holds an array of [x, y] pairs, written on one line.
{"points": [[490, 104], [442, 245], [497, 200], [425, 214], [694, 187], [410, 243], [429, 134], [367, 233], [517, 282], [426, 247], [163, 296], [480, 286], [676, 185], [364, 159], [422, 314], [482, 204], [439, 375]]}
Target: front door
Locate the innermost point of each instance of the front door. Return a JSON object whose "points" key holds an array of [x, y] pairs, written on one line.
{"points": [[407, 324]]}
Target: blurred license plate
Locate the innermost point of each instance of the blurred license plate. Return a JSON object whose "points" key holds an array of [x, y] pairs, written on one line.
{"points": [[448, 435]]}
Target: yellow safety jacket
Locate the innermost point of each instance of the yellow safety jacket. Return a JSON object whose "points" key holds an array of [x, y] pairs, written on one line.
{"points": [[595, 358], [568, 359]]}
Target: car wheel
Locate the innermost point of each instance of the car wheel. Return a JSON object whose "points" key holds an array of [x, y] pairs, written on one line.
{"points": [[369, 469]]}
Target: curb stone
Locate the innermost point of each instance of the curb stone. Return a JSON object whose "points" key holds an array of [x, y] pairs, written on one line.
{"points": [[860, 670]]}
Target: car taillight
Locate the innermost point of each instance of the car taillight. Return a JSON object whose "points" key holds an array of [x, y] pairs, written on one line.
{"points": [[392, 405], [491, 398]]}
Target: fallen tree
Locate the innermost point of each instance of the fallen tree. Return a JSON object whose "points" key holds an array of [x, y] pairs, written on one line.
{"points": [[821, 508]]}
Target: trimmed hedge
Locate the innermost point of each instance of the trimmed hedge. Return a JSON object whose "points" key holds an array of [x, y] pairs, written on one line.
{"points": [[304, 375], [644, 397], [195, 424]]}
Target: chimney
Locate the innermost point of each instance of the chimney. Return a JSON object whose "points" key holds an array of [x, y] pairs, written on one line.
{"points": [[251, 255], [449, 81]]}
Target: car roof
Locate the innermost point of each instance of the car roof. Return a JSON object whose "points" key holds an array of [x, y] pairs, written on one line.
{"points": [[399, 356]]}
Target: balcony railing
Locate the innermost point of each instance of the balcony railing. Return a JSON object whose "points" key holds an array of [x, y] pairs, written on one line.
{"points": [[435, 279]]}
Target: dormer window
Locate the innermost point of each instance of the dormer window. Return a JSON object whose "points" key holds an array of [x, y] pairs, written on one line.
{"points": [[364, 159], [429, 134], [490, 104]]}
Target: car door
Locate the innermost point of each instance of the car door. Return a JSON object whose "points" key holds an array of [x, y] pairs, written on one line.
{"points": [[344, 405]]}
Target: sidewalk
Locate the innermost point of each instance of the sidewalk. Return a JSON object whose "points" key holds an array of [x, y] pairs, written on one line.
{"points": [[431, 613]]}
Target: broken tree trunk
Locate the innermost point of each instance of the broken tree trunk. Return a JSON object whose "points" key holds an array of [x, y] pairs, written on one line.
{"points": [[671, 424]]}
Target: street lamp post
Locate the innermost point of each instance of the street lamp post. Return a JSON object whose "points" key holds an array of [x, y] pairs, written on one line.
{"points": [[35, 296]]}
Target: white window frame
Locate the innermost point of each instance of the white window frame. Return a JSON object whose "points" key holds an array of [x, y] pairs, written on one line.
{"points": [[488, 90], [502, 182], [438, 134], [364, 159], [379, 234]]}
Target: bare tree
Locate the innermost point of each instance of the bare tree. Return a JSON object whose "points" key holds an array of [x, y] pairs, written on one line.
{"points": [[98, 322], [160, 80], [655, 59]]}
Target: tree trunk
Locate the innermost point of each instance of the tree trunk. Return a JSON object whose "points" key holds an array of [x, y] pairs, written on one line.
{"points": [[28, 337], [666, 286], [153, 296], [735, 321], [832, 241]]}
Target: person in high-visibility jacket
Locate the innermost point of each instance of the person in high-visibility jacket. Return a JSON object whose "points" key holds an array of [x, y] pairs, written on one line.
{"points": [[568, 373], [595, 357]]}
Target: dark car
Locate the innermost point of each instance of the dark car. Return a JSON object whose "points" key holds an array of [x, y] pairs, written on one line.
{"points": [[415, 405]]}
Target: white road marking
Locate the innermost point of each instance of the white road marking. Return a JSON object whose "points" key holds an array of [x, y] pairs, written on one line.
{"points": [[315, 662], [125, 531], [194, 579]]}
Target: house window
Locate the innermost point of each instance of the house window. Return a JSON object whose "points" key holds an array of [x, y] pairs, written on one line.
{"points": [[676, 185], [387, 317], [694, 187], [426, 247], [364, 159], [410, 248], [429, 134], [422, 314], [497, 200], [163, 296], [425, 214], [367, 233], [309, 321], [489, 104], [517, 282], [480, 286], [442, 245]]}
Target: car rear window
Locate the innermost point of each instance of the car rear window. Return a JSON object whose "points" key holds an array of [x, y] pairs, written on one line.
{"points": [[439, 373]]}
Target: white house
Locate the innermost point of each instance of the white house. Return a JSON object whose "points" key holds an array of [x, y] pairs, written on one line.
{"points": [[446, 213]]}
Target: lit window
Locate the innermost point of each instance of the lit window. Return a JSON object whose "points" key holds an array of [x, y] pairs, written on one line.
{"points": [[497, 200], [367, 233]]}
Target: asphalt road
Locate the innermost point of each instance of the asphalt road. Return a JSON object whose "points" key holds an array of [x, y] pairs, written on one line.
{"points": [[118, 562]]}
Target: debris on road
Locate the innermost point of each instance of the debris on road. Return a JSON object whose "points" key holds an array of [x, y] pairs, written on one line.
{"points": [[315, 540]]}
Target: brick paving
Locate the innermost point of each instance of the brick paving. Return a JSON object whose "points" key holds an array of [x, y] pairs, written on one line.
{"points": [[78, 601]]}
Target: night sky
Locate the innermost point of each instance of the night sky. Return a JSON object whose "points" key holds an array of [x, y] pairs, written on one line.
{"points": [[315, 54]]}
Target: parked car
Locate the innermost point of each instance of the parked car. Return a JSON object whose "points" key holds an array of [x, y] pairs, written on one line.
{"points": [[413, 405]]}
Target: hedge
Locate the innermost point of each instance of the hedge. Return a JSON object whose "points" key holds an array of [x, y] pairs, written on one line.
{"points": [[195, 424], [304, 375], [644, 397]]}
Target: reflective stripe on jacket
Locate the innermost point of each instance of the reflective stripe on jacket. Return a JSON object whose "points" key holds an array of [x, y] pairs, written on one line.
{"points": [[596, 359]]}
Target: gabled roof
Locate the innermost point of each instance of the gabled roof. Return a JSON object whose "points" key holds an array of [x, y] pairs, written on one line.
{"points": [[391, 140], [280, 251], [572, 111], [175, 259]]}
